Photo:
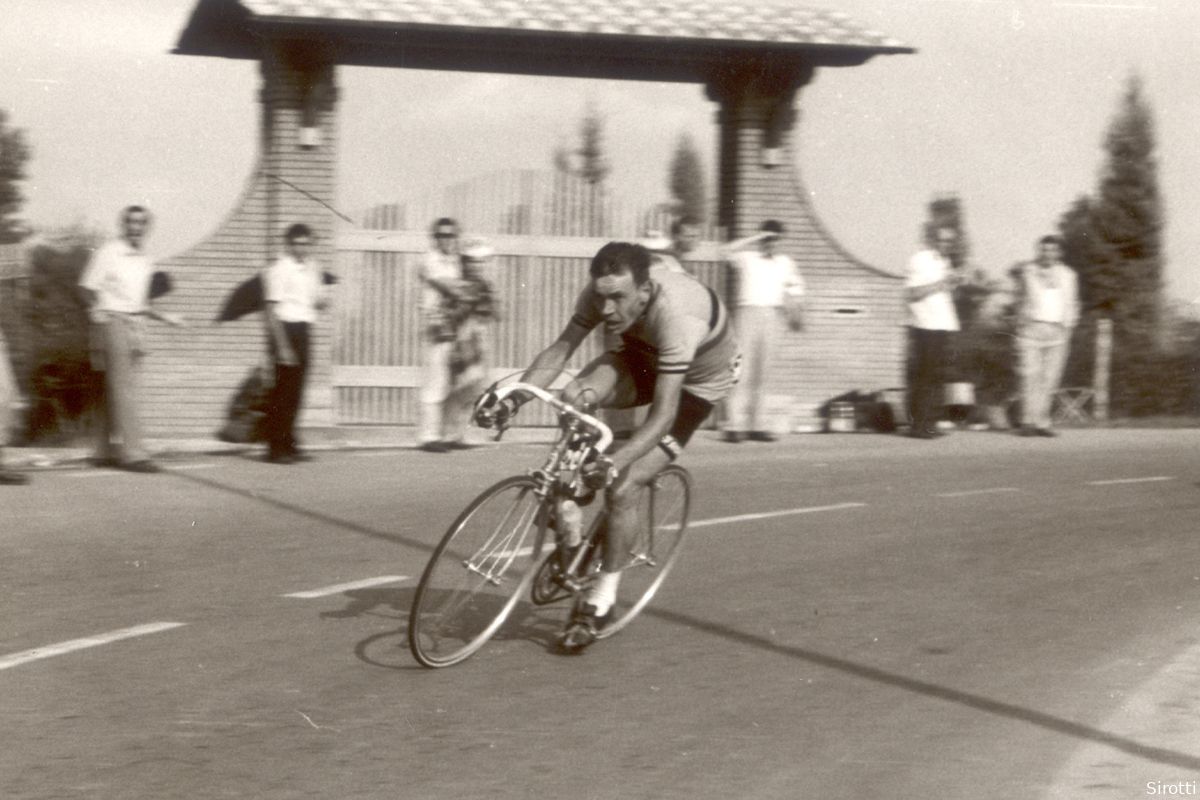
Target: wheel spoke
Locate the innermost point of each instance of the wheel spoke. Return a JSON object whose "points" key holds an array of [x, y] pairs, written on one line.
{"points": [[476, 575]]}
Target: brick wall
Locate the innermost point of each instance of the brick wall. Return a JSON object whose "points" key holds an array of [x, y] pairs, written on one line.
{"points": [[192, 373], [854, 337]]}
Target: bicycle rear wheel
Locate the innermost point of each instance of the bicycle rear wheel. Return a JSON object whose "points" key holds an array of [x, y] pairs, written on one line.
{"points": [[477, 573], [663, 523]]}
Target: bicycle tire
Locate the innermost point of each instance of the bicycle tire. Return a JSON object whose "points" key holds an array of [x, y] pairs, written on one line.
{"points": [[664, 519], [478, 572]]}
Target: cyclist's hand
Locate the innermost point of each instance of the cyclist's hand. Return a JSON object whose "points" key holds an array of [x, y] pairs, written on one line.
{"points": [[599, 473], [495, 414]]}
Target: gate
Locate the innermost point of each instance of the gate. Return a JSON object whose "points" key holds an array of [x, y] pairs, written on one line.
{"points": [[545, 228]]}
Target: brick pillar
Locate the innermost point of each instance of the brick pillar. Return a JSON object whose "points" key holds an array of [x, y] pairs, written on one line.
{"points": [[757, 178], [193, 374], [853, 312]]}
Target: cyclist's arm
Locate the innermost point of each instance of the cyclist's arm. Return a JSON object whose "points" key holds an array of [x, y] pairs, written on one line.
{"points": [[550, 363], [663, 410]]}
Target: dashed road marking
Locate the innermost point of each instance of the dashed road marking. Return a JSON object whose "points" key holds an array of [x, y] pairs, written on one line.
{"points": [[177, 467], [787, 512], [346, 587], [1115, 481], [37, 653], [970, 492]]}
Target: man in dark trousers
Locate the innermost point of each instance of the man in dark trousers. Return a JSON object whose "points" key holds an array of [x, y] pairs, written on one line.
{"points": [[929, 287], [293, 296]]}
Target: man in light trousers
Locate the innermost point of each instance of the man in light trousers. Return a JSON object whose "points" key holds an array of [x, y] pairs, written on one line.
{"points": [[8, 398], [116, 287], [1047, 312], [444, 414], [766, 288]]}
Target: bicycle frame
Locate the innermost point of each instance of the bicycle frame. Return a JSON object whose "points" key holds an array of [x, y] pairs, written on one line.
{"points": [[577, 428]]}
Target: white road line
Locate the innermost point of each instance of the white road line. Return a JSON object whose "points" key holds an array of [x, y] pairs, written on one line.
{"points": [[969, 492], [703, 523], [16, 659], [346, 587], [1115, 481], [176, 467]]}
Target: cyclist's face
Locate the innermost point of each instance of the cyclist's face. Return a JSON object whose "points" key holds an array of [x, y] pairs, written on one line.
{"points": [[621, 300]]}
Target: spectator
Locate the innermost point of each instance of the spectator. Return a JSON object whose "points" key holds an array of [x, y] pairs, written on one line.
{"points": [[1047, 311], [930, 282], [8, 397], [474, 311], [292, 296], [765, 290], [441, 274], [116, 285], [685, 235]]}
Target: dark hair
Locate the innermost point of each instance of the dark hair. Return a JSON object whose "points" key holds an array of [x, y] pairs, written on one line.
{"points": [[1051, 239], [134, 209], [617, 257], [442, 222], [678, 224], [772, 226], [298, 230]]}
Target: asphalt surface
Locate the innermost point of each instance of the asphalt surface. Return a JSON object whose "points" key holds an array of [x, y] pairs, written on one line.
{"points": [[854, 616]]}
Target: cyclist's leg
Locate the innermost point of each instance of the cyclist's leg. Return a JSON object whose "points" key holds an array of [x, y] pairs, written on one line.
{"points": [[626, 494]]}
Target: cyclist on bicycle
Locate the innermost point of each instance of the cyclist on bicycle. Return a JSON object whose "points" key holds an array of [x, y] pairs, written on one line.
{"points": [[673, 349]]}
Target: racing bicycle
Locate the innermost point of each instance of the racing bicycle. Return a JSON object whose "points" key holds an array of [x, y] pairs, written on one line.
{"points": [[539, 537]]}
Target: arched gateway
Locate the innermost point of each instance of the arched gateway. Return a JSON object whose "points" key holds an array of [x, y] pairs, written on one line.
{"points": [[753, 58]]}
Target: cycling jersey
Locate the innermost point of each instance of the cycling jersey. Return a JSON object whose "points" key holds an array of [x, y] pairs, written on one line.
{"points": [[684, 329]]}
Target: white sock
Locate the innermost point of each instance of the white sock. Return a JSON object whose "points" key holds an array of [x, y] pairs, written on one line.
{"points": [[603, 592]]}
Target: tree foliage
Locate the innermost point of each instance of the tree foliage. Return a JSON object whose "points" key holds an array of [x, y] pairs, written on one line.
{"points": [[686, 180], [14, 154], [1113, 238], [588, 160]]}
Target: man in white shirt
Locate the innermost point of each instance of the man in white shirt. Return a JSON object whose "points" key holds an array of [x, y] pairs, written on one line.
{"points": [[1047, 312], [292, 293], [929, 285], [116, 286], [442, 419], [766, 290]]}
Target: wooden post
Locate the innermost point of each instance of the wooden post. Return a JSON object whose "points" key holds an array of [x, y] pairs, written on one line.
{"points": [[1103, 368]]}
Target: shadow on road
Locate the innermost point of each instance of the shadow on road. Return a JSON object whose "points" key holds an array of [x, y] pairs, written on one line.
{"points": [[306, 512], [973, 701], [527, 623], [389, 649]]}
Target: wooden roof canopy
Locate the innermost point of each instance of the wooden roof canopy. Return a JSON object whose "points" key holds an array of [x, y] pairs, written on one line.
{"points": [[663, 40]]}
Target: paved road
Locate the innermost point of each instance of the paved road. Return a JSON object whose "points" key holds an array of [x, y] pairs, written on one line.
{"points": [[978, 617]]}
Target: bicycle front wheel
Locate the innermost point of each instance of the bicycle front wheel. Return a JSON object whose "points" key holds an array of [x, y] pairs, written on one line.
{"points": [[477, 573], [663, 520]]}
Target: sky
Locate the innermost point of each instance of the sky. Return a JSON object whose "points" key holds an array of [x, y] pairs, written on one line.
{"points": [[1005, 104]]}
